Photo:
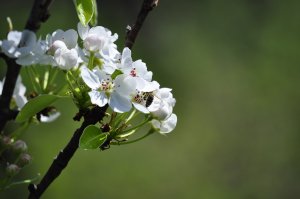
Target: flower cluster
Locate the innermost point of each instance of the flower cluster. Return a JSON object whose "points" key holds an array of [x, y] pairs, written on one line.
{"points": [[99, 71]]}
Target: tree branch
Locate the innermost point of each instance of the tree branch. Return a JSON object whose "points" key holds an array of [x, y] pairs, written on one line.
{"points": [[133, 31], [61, 161], [11, 77], [91, 117], [39, 13]]}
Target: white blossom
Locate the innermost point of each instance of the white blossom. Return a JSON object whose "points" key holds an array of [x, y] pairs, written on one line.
{"points": [[61, 49], [163, 103], [35, 56], [135, 69], [12, 46], [116, 92], [143, 96], [99, 40]]}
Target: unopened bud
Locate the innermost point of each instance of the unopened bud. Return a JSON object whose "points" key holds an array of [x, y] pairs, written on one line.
{"points": [[94, 42], [56, 45], [12, 169], [24, 159], [20, 146], [5, 141]]}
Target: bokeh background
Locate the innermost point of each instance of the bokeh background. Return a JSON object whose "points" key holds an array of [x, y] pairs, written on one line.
{"points": [[234, 69]]}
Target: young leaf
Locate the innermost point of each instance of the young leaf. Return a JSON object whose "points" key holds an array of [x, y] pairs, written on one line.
{"points": [[36, 105], [85, 10], [94, 19], [92, 138]]}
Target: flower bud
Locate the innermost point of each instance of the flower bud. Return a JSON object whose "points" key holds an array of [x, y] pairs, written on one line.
{"points": [[94, 43], [5, 141], [24, 159], [65, 58], [19, 146], [56, 45], [12, 169]]}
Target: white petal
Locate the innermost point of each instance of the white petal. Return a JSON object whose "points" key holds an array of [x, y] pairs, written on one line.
{"points": [[140, 107], [50, 118], [101, 75], [164, 111], [20, 89], [98, 30], [15, 37], [165, 126], [94, 42], [110, 52], [109, 68], [114, 37], [98, 98], [70, 38], [148, 76], [55, 46], [90, 78], [155, 105], [81, 55], [1, 87], [119, 103], [165, 92], [21, 100], [46, 60], [19, 93], [27, 60], [125, 85], [82, 30], [65, 58], [146, 86], [57, 35], [169, 124], [140, 66], [29, 37], [126, 60], [9, 48]]}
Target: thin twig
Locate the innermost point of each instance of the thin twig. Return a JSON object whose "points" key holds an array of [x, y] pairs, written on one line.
{"points": [[39, 13], [133, 31]]}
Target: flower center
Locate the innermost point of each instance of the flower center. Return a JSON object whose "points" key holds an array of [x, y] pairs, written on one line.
{"points": [[106, 85], [133, 72], [144, 98]]}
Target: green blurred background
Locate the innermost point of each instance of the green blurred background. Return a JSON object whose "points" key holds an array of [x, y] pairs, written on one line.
{"points": [[234, 69]]}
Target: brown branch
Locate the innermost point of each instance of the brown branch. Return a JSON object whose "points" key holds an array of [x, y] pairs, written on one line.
{"points": [[39, 14], [64, 156], [133, 31], [91, 117], [12, 73]]}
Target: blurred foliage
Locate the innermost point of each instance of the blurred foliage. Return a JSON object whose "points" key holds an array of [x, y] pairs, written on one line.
{"points": [[234, 68]]}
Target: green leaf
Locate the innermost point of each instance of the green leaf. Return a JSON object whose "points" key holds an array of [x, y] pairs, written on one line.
{"points": [[94, 19], [92, 138], [85, 10], [36, 105]]}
